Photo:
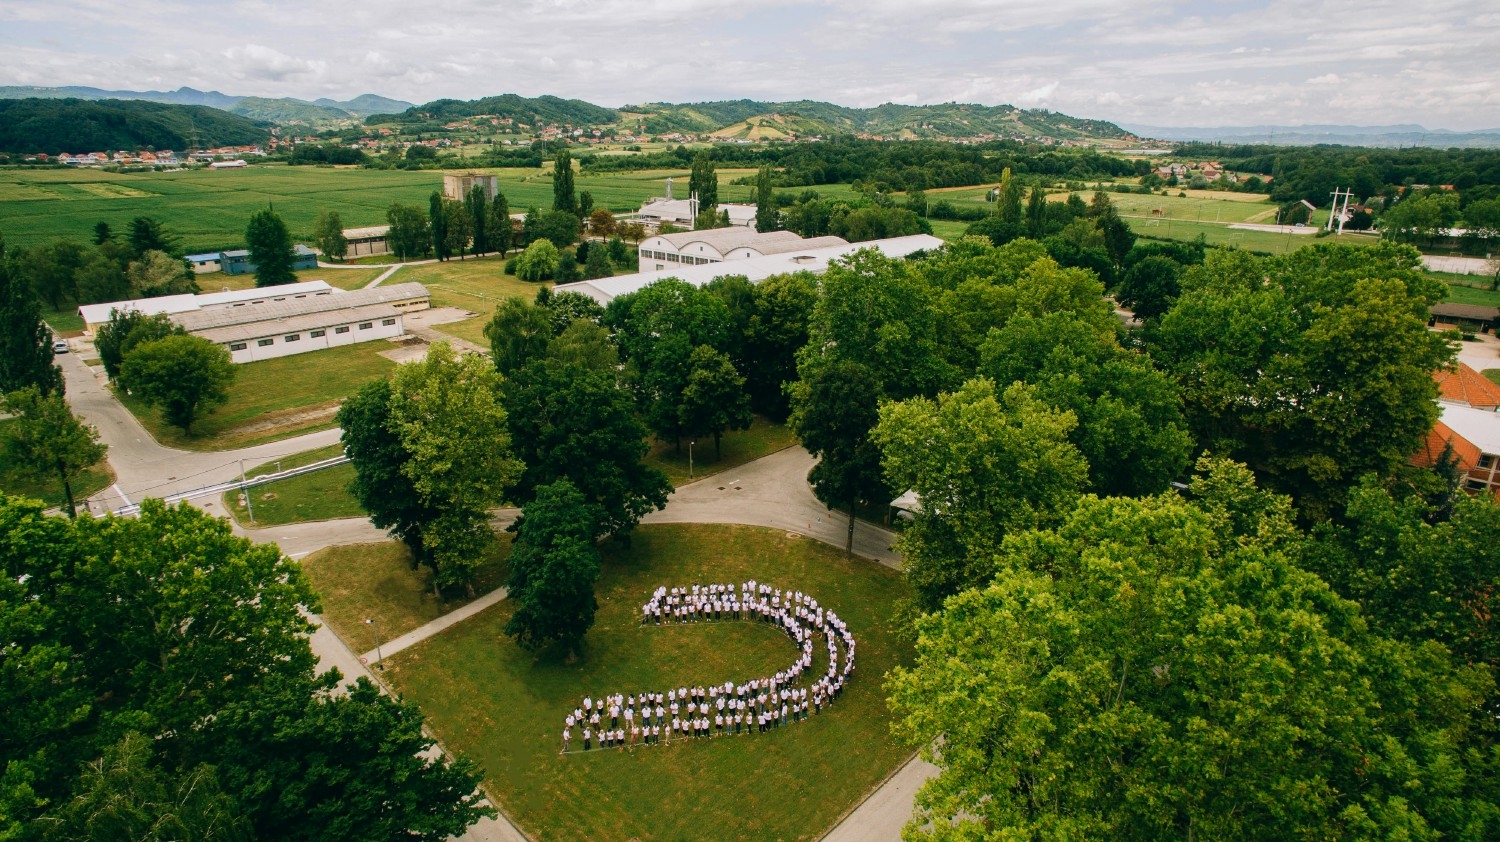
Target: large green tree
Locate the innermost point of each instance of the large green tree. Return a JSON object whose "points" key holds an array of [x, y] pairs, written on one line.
{"points": [[477, 201], [126, 329], [158, 273], [714, 400], [704, 183], [147, 234], [518, 333], [447, 411], [48, 441], [26, 357], [498, 229], [270, 245], [767, 217], [458, 227], [410, 235], [1315, 368], [437, 225], [1162, 669], [554, 566], [328, 233], [572, 422], [777, 329], [184, 375], [984, 465], [381, 483]]}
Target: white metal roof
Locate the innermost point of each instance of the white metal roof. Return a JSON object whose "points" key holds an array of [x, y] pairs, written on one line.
{"points": [[169, 304], [1479, 426], [368, 231], [204, 320], [605, 290], [296, 324], [725, 239]]}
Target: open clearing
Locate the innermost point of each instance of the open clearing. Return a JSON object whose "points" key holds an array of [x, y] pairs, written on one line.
{"points": [[485, 697], [320, 495]]}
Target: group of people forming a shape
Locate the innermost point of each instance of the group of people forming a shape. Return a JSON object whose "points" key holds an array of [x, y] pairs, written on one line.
{"points": [[750, 707]]}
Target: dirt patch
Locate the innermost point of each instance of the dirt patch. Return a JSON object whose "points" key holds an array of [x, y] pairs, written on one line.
{"points": [[305, 416], [406, 352]]}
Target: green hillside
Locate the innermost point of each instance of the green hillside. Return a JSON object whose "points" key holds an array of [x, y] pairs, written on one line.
{"points": [[286, 110], [542, 109], [74, 125]]}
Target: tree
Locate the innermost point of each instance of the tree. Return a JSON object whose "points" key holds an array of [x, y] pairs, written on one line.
{"points": [[52, 270], [777, 330], [714, 399], [458, 228], [572, 422], [437, 225], [186, 376], [447, 411], [704, 183], [531, 227], [328, 233], [567, 271], [585, 204], [1150, 286], [633, 231], [381, 483], [1158, 669], [1036, 214], [26, 357], [984, 465], [477, 202], [538, 261], [1318, 374], [48, 441], [147, 234], [597, 265], [518, 333], [101, 278], [834, 408], [270, 246], [560, 227], [116, 338], [158, 273], [498, 228], [410, 234], [584, 343], [1008, 201], [563, 198], [102, 233], [568, 307], [766, 216], [554, 567], [601, 222]]}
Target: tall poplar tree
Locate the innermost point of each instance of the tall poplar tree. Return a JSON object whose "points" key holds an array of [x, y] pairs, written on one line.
{"points": [[563, 197], [270, 245], [765, 204], [25, 342], [478, 206], [705, 183], [437, 219]]}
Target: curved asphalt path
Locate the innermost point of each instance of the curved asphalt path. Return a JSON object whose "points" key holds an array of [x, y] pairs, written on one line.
{"points": [[770, 492]]}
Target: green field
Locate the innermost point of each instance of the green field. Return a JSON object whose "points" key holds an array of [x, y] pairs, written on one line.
{"points": [[738, 447], [275, 399], [476, 285], [376, 581], [321, 495], [486, 698]]}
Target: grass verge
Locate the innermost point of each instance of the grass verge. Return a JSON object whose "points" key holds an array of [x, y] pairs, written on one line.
{"points": [[490, 700], [364, 581], [764, 437], [321, 495], [275, 399], [475, 284]]}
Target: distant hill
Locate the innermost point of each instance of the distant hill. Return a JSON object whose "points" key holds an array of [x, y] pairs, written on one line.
{"points": [[1373, 136], [531, 111], [76, 125], [752, 120], [281, 110]]}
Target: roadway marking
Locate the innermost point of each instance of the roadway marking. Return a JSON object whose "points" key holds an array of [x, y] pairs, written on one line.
{"points": [[116, 487]]}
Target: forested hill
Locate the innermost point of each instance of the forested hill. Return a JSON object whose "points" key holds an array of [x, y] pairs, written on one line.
{"points": [[75, 125], [753, 120]]}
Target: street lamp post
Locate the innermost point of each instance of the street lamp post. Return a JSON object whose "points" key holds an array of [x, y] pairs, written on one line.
{"points": [[245, 490], [690, 458], [379, 661]]}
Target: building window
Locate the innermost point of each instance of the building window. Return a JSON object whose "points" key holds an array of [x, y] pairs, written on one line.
{"points": [[1476, 485], [1487, 461], [293, 337], [366, 325], [344, 329], [282, 298], [387, 322], [317, 333], [264, 342], [236, 346]]}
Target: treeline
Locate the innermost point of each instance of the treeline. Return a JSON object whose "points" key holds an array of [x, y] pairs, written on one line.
{"points": [[74, 125], [528, 110], [888, 165], [143, 262], [1312, 173]]}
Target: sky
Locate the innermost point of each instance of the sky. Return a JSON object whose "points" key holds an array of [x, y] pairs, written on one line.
{"points": [[1155, 62]]}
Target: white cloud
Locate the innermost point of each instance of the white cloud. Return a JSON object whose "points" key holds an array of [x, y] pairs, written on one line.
{"points": [[1154, 61]]}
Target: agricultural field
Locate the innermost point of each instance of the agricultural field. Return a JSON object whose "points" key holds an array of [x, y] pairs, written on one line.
{"points": [[485, 697], [275, 399]]}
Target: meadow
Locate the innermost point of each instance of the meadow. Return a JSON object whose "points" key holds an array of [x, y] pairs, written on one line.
{"points": [[485, 697]]}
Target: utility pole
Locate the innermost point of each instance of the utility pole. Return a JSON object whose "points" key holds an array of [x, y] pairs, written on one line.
{"points": [[245, 490], [374, 626]]}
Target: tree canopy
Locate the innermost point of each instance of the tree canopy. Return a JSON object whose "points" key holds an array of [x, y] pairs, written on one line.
{"points": [[184, 375], [270, 245]]}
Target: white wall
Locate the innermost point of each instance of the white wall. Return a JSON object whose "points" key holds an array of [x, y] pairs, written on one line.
{"points": [[279, 347]]}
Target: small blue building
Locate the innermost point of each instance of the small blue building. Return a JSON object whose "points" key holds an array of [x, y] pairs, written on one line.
{"points": [[237, 262]]}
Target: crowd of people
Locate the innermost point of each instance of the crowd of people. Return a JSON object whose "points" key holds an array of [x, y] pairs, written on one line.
{"points": [[751, 707]]}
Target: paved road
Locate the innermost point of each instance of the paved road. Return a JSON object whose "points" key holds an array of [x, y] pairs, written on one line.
{"points": [[881, 816], [1458, 265]]}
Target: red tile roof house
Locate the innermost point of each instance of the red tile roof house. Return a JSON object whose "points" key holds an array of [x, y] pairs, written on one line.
{"points": [[1468, 427]]}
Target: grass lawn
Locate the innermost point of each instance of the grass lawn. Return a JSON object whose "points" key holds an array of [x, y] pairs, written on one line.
{"points": [[1493, 374], [474, 284], [1468, 289], [275, 399], [738, 447], [470, 329], [14, 480], [321, 495], [487, 698], [363, 581]]}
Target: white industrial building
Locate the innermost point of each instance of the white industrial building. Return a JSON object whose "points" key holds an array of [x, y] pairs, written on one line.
{"points": [[372, 239], [757, 269], [716, 245], [97, 314], [298, 326]]}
